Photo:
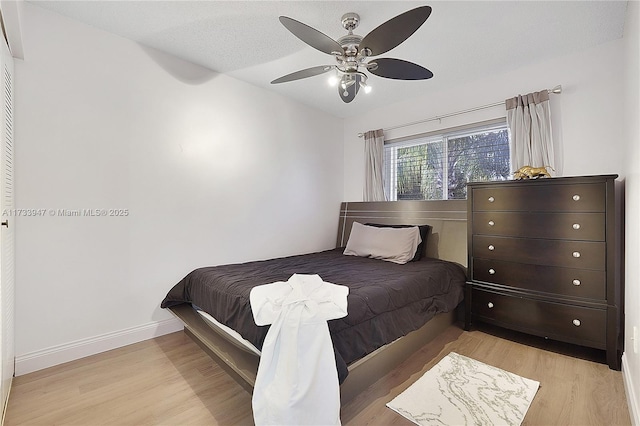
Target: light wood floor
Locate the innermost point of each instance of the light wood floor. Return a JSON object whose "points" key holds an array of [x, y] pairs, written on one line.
{"points": [[171, 381]]}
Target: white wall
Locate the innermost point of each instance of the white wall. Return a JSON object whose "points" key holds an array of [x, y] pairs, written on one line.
{"points": [[586, 114], [211, 170], [631, 135]]}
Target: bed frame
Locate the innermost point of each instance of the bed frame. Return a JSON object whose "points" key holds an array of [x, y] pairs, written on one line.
{"points": [[447, 240]]}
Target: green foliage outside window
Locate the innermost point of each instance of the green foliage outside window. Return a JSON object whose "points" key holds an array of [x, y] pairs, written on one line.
{"points": [[422, 171]]}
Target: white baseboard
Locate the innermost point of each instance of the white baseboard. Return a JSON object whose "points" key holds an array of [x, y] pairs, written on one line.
{"points": [[60, 354], [632, 392]]}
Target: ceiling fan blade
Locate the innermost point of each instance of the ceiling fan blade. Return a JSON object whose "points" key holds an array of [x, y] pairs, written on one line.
{"points": [[398, 69], [349, 93], [309, 72], [311, 36], [393, 32]]}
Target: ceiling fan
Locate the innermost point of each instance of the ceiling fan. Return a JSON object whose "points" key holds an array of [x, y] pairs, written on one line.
{"points": [[353, 52]]}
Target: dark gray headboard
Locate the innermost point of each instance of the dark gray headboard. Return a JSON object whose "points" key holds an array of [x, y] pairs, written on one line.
{"points": [[448, 220]]}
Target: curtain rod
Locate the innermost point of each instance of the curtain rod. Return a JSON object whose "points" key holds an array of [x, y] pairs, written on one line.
{"points": [[556, 90]]}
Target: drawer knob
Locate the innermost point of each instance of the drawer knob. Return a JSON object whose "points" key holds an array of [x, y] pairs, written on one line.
{"points": [[576, 197], [492, 271], [576, 322], [490, 305], [576, 254], [576, 226], [576, 282], [491, 199], [491, 247], [491, 223]]}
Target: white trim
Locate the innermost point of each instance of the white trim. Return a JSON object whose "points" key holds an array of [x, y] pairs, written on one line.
{"points": [[60, 354], [630, 391], [6, 402]]}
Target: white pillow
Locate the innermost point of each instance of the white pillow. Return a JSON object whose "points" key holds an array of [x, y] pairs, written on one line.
{"points": [[396, 245]]}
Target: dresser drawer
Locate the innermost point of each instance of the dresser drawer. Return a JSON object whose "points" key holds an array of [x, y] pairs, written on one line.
{"points": [[571, 226], [582, 283], [585, 197], [569, 254], [570, 323]]}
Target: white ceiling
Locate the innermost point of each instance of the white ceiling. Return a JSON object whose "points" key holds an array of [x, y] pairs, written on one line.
{"points": [[461, 40]]}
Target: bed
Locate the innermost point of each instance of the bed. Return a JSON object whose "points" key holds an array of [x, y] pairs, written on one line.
{"points": [[393, 309]]}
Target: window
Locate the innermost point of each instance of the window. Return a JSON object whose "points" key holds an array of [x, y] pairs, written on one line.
{"points": [[438, 167]]}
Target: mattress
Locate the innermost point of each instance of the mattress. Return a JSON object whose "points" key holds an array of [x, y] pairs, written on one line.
{"points": [[386, 300], [231, 333]]}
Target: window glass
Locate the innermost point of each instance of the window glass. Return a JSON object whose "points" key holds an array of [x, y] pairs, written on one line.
{"points": [[438, 167]]}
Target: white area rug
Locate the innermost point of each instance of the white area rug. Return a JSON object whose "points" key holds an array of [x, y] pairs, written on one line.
{"points": [[462, 391]]}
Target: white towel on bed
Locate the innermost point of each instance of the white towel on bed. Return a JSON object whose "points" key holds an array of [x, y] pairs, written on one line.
{"points": [[297, 381]]}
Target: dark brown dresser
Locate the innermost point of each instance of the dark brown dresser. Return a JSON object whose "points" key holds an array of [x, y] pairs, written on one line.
{"points": [[545, 258]]}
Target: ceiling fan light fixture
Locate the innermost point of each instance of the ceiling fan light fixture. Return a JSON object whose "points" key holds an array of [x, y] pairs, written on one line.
{"points": [[347, 81], [362, 82], [352, 51], [365, 87]]}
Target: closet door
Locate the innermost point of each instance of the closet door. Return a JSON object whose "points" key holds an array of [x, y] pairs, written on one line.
{"points": [[7, 230]]}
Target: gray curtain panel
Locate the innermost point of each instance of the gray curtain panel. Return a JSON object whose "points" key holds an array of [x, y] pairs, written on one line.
{"points": [[529, 120], [373, 166]]}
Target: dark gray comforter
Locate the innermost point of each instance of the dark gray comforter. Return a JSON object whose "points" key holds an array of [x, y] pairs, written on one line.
{"points": [[386, 300]]}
